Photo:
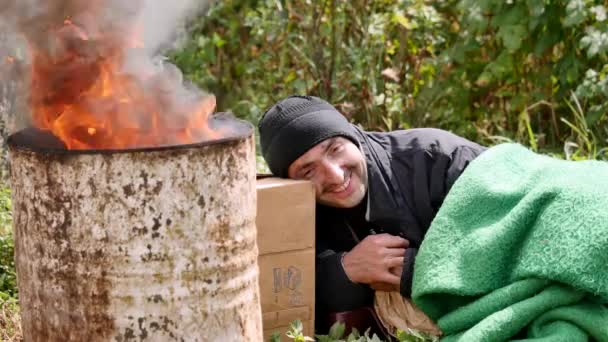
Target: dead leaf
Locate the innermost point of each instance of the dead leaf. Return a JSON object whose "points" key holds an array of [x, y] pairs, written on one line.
{"points": [[392, 74]]}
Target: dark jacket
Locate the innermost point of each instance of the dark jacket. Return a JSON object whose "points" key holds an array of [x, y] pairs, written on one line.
{"points": [[409, 174]]}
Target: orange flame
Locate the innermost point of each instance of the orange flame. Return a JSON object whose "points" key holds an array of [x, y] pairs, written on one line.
{"points": [[85, 92]]}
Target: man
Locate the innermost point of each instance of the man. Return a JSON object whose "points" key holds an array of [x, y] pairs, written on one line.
{"points": [[377, 194]]}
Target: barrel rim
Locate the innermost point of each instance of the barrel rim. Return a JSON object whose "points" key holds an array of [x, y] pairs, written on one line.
{"points": [[21, 140]]}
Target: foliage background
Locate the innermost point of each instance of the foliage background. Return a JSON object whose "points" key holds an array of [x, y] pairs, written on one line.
{"points": [[532, 71]]}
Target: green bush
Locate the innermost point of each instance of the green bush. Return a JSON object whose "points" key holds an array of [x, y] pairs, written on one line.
{"points": [[10, 328], [491, 70], [252, 53], [8, 279], [514, 65]]}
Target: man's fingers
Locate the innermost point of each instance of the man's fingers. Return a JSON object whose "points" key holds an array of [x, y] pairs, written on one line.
{"points": [[392, 241], [395, 252], [390, 278], [395, 262]]}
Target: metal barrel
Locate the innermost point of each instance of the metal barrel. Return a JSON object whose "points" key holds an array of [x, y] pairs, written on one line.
{"points": [[150, 244]]}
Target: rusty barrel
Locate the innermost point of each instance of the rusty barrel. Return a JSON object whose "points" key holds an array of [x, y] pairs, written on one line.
{"points": [[152, 244]]}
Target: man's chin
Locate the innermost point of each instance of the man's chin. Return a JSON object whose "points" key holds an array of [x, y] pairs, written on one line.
{"points": [[344, 203]]}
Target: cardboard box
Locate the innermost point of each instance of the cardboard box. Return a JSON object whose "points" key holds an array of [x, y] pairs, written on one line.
{"points": [[286, 241], [287, 287], [286, 215]]}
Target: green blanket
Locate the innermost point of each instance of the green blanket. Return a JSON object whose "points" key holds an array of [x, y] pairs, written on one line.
{"points": [[519, 251]]}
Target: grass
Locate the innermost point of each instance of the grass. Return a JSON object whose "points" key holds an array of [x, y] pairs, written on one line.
{"points": [[10, 322]]}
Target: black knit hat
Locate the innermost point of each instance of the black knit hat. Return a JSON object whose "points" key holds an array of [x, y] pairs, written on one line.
{"points": [[296, 124]]}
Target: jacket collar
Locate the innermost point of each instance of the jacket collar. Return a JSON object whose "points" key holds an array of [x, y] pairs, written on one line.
{"points": [[382, 202]]}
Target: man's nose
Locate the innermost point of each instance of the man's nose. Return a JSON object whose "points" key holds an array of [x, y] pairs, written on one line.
{"points": [[333, 173]]}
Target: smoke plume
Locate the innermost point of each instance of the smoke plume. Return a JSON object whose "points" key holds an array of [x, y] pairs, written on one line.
{"points": [[90, 71]]}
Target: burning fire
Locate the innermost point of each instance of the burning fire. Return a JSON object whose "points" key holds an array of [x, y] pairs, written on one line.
{"points": [[95, 88]]}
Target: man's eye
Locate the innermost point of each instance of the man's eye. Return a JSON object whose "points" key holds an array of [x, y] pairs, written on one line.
{"points": [[336, 149], [308, 174]]}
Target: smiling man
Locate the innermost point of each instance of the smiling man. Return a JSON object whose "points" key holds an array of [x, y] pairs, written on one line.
{"points": [[337, 169], [377, 194]]}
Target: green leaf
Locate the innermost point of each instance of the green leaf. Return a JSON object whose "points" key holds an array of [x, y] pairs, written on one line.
{"points": [[594, 114], [291, 76], [576, 12], [536, 7], [547, 40], [296, 326], [512, 36], [202, 41], [499, 69], [218, 41], [276, 337], [515, 15], [354, 335], [375, 338], [337, 330], [568, 69], [403, 21], [324, 338], [474, 17]]}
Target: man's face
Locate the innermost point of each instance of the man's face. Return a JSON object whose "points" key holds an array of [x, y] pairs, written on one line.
{"points": [[337, 169]]}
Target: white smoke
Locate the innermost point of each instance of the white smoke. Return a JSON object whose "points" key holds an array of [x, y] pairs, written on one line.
{"points": [[107, 24], [159, 20], [163, 19]]}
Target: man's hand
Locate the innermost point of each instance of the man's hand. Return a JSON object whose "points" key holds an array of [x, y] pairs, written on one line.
{"points": [[385, 287], [373, 258]]}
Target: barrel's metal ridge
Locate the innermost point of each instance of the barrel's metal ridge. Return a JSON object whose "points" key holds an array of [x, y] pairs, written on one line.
{"points": [[36, 140], [145, 245]]}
